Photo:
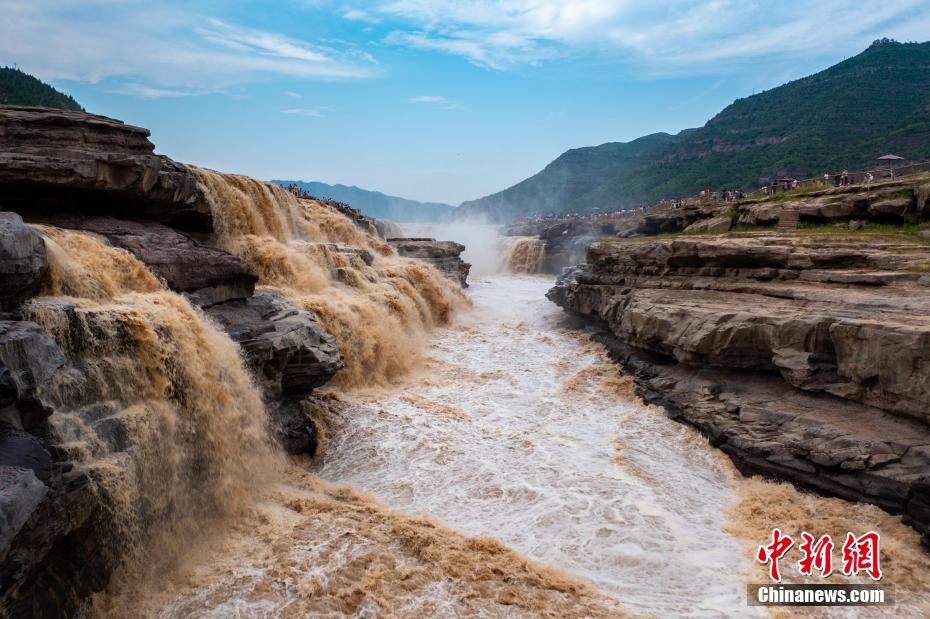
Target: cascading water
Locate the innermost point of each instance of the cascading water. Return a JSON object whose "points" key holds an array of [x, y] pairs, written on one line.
{"points": [[511, 426], [155, 408], [517, 428], [377, 305], [523, 254]]}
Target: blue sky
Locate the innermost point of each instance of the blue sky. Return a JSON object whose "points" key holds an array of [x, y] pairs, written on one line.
{"points": [[442, 101]]}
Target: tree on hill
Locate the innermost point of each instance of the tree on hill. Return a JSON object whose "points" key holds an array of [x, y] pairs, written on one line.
{"points": [[19, 88]]}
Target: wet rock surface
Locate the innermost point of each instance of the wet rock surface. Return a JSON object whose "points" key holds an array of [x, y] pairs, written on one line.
{"points": [[287, 348], [300, 424], [807, 358], [444, 255], [23, 262], [28, 360], [52, 160], [52, 554]]}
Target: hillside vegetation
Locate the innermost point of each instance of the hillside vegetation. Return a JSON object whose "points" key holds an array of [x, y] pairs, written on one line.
{"points": [[18, 88], [875, 103]]}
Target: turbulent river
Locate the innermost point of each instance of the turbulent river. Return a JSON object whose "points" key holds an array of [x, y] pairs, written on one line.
{"points": [[513, 473], [522, 429]]}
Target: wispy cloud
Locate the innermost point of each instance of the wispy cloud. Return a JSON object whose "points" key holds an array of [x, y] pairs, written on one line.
{"points": [[151, 92], [157, 48], [437, 101], [314, 112], [359, 15], [499, 34], [293, 95]]}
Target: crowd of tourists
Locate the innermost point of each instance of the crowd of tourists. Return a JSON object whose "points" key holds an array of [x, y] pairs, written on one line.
{"points": [[352, 213], [591, 216]]}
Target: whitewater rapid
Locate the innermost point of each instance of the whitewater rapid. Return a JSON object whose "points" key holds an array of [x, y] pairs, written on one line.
{"points": [[521, 428]]}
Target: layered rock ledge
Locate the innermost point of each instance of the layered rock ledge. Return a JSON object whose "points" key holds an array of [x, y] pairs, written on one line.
{"points": [[444, 255], [805, 357], [57, 159]]}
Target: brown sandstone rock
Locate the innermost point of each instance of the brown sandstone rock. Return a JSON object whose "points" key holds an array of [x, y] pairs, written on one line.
{"points": [[444, 255], [79, 162], [802, 357]]}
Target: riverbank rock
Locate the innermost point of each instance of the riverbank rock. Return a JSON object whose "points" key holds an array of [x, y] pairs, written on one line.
{"points": [[898, 201], [287, 348], [444, 255], [300, 426], [61, 160], [20, 494], [23, 262], [806, 357]]}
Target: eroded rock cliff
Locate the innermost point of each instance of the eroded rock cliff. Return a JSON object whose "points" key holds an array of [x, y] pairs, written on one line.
{"points": [[57, 159], [803, 356]]}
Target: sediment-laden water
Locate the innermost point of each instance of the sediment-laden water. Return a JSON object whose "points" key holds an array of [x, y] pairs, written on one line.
{"points": [[378, 306], [563, 496], [520, 428], [510, 472], [155, 408], [523, 254]]}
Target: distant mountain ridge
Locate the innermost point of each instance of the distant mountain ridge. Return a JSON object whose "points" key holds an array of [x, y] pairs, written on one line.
{"points": [[376, 204], [19, 88], [874, 103]]}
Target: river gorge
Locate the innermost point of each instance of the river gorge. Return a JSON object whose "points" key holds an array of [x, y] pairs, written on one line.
{"points": [[222, 397], [519, 431]]}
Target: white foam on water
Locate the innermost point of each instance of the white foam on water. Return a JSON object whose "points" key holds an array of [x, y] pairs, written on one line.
{"points": [[522, 429]]}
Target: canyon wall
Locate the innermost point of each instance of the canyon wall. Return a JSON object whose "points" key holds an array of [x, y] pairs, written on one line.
{"points": [[806, 357]]}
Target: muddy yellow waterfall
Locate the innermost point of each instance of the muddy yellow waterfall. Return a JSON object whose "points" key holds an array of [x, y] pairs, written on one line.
{"points": [[378, 306]]}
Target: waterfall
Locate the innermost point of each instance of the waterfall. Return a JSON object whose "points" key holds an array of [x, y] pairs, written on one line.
{"points": [[523, 254], [155, 409], [377, 305]]}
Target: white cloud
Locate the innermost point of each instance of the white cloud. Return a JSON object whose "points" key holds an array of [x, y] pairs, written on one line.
{"points": [[293, 95], [153, 48], [437, 101], [359, 15], [314, 112], [499, 34], [151, 92]]}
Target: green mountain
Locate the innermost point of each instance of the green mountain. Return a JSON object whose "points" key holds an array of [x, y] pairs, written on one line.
{"points": [[18, 88], [376, 204], [875, 103]]}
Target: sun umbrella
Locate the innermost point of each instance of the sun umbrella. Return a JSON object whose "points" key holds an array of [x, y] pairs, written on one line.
{"points": [[890, 159]]}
